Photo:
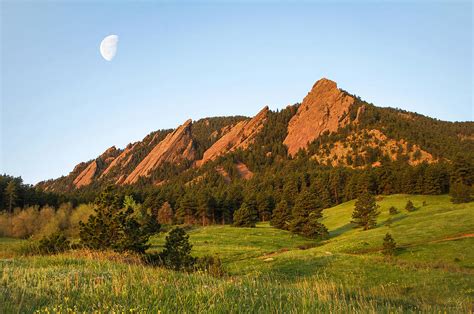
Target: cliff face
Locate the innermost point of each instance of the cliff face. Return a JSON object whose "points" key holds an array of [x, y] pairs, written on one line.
{"points": [[93, 168], [121, 160], [177, 146], [325, 108], [86, 176], [239, 136]]}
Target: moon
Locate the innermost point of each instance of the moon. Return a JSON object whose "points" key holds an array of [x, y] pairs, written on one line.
{"points": [[108, 47]]}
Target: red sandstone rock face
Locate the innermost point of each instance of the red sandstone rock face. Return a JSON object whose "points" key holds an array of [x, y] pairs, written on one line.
{"points": [[121, 160], [86, 176], [240, 136], [176, 147], [325, 108]]}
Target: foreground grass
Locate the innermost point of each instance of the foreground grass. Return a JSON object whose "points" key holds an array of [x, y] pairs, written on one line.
{"points": [[269, 270]]}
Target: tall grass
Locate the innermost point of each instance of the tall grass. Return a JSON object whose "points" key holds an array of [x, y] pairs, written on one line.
{"points": [[106, 283]]}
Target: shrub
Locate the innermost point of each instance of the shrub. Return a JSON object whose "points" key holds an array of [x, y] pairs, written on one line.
{"points": [[389, 245], [80, 213], [211, 265], [55, 243], [409, 206], [165, 214], [393, 210]]}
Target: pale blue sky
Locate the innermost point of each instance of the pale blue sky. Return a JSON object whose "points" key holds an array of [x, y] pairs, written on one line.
{"points": [[62, 103]]}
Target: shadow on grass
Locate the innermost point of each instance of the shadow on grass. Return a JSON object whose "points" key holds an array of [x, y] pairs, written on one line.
{"points": [[392, 220], [337, 232], [294, 269]]}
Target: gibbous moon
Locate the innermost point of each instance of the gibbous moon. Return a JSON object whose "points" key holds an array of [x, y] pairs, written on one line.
{"points": [[108, 47]]}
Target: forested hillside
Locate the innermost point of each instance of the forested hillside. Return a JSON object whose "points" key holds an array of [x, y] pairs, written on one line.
{"points": [[206, 170]]}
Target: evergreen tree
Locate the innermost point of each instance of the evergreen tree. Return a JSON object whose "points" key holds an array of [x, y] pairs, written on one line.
{"points": [[264, 207], [460, 193], [365, 211], [112, 227], [305, 215], [186, 210], [177, 252], [462, 171], [246, 215], [409, 206], [389, 245], [281, 216], [11, 195]]}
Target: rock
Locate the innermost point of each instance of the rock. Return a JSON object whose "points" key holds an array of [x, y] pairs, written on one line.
{"points": [[121, 160], [239, 136], [175, 147], [86, 176], [325, 108], [244, 171]]}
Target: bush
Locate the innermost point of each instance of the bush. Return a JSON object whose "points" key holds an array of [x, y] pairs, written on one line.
{"points": [[211, 265], [55, 243], [393, 210], [409, 206]]}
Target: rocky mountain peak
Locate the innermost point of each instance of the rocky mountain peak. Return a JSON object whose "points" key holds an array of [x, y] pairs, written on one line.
{"points": [[325, 108]]}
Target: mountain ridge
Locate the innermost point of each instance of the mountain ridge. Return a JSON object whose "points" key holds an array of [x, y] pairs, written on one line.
{"points": [[326, 117]]}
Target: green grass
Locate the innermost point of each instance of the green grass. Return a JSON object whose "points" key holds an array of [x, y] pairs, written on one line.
{"points": [[268, 271]]}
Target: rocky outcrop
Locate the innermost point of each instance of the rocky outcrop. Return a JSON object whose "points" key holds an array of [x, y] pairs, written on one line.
{"points": [[86, 176], [244, 171], [325, 108], [121, 160], [239, 136], [174, 148]]}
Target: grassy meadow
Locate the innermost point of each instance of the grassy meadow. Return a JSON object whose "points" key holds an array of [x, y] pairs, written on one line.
{"points": [[268, 270]]}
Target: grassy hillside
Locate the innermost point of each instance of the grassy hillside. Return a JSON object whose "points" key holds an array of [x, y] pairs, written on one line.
{"points": [[271, 270]]}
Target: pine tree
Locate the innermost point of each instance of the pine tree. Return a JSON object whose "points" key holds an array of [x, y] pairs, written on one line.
{"points": [[186, 210], [246, 215], [177, 252], [11, 195], [460, 193], [113, 227], [365, 211], [389, 245], [305, 215], [462, 171], [264, 207], [281, 216]]}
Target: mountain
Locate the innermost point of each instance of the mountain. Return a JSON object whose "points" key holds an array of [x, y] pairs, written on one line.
{"points": [[331, 127]]}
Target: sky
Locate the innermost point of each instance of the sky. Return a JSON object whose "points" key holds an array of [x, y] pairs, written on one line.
{"points": [[62, 103]]}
